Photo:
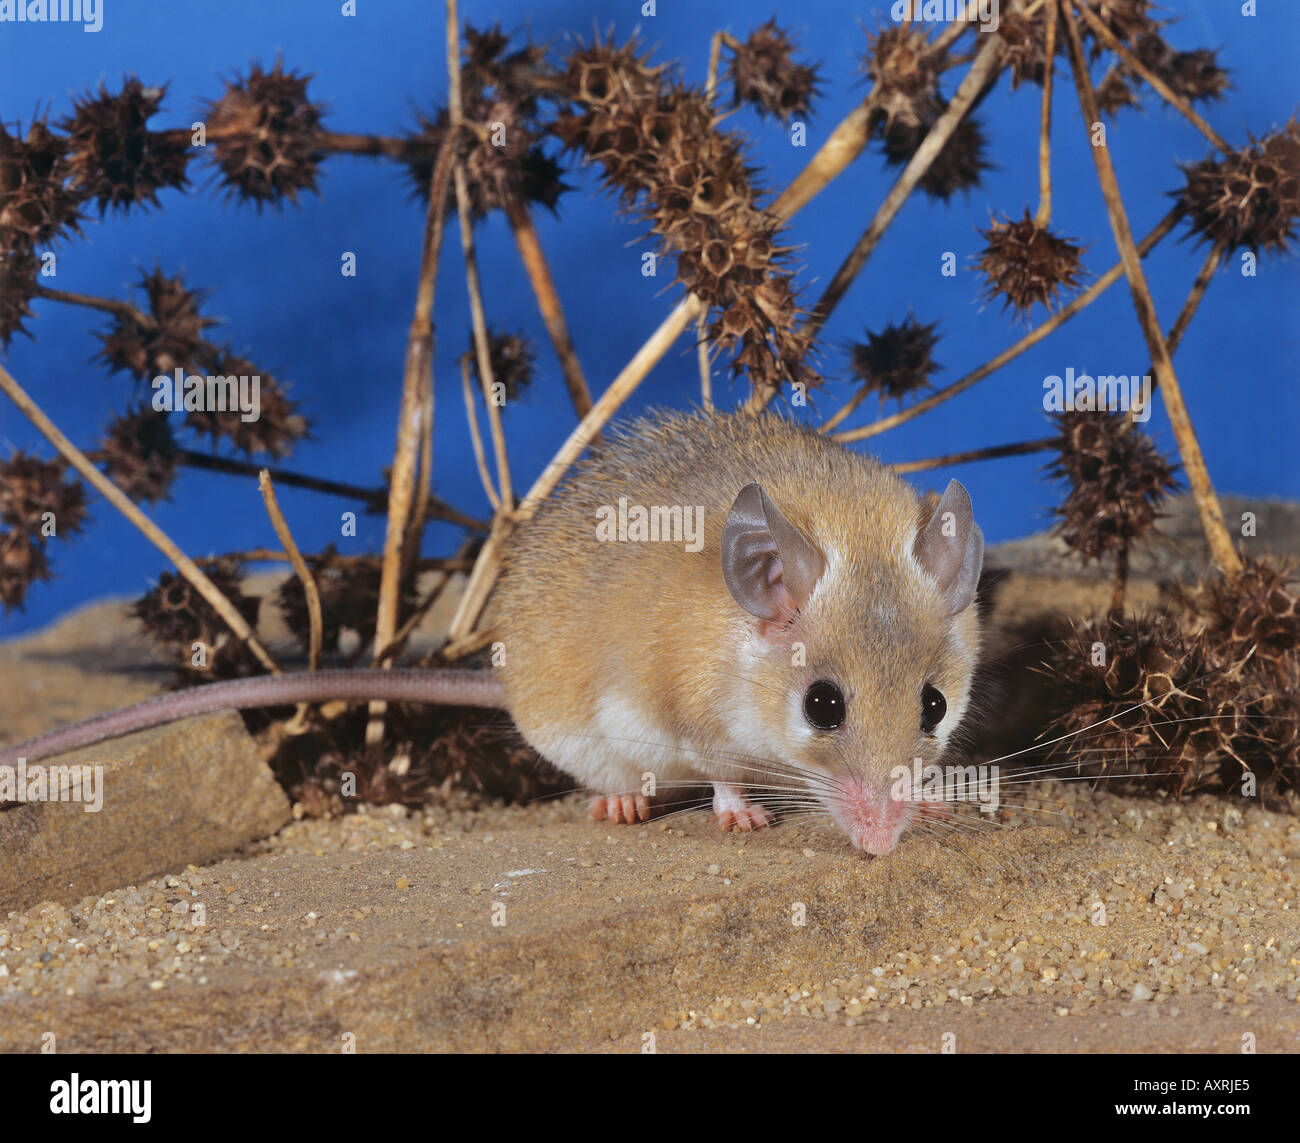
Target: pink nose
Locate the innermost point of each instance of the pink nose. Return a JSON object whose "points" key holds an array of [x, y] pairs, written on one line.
{"points": [[873, 820]]}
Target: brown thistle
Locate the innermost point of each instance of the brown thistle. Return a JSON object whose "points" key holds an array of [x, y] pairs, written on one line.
{"points": [[1026, 265], [513, 359], [115, 158], [501, 93], [959, 166], [172, 337], [22, 563], [764, 74], [38, 203], [279, 425], [139, 454], [19, 266], [36, 502], [904, 68], [1250, 198], [898, 360], [176, 617], [266, 136]]}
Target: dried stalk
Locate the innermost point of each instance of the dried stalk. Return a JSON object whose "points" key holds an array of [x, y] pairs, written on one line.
{"points": [[1207, 503], [1134, 64], [309, 591], [548, 301], [476, 438], [419, 361], [1044, 215], [124, 504], [1023, 448], [1032, 338], [482, 348]]}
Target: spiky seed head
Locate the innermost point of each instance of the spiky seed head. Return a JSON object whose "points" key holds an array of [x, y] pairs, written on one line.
{"points": [[278, 427], [764, 74], [115, 159], [169, 337], [1026, 265], [905, 69], [19, 266], [1251, 197], [38, 203], [139, 454], [1118, 481], [22, 563], [958, 167], [512, 358], [265, 136], [897, 360]]}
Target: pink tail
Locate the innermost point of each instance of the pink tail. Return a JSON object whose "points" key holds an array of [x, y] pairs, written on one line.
{"points": [[440, 688]]}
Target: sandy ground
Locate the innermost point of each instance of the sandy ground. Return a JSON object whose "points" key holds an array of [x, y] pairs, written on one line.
{"points": [[1079, 921]]}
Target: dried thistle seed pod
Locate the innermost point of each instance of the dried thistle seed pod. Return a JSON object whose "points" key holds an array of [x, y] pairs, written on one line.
{"points": [[266, 136], [349, 597], [38, 203], [1117, 91], [177, 617], [22, 563], [1027, 265], [278, 425], [764, 73], [959, 166], [115, 159], [896, 361], [512, 358], [168, 338], [139, 454], [1136, 687], [905, 68], [19, 266], [1194, 75], [1118, 482], [1251, 197], [34, 490]]}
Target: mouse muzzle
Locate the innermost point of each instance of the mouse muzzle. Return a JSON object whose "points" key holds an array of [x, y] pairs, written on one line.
{"points": [[871, 815]]}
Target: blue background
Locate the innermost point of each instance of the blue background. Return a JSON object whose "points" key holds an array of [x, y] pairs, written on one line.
{"points": [[274, 277]]}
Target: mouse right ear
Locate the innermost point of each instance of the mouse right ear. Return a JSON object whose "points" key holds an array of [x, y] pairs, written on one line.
{"points": [[951, 548], [769, 567]]}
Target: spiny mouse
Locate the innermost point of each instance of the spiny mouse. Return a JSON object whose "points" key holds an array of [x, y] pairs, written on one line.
{"points": [[709, 598]]}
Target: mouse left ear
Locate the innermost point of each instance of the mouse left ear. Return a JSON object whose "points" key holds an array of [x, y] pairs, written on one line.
{"points": [[951, 548], [769, 566]]}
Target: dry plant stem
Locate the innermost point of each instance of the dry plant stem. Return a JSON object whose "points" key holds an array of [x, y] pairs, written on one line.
{"points": [[1022, 448], [124, 504], [481, 347], [1194, 296], [1120, 584], [421, 609], [1134, 64], [1032, 338], [312, 596], [1198, 476], [468, 645], [548, 302], [476, 438], [706, 366], [419, 361], [372, 497], [938, 135], [271, 556], [843, 412], [1044, 215]]}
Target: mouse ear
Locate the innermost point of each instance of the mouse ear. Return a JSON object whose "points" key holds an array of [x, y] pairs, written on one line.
{"points": [[769, 567], [951, 548]]}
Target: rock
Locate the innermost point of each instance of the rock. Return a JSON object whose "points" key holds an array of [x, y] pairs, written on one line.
{"points": [[171, 796]]}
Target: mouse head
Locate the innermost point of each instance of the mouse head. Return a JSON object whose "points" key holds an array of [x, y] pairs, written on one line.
{"points": [[858, 646]]}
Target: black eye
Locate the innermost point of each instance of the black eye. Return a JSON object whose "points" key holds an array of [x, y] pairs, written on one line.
{"points": [[933, 707], [823, 705]]}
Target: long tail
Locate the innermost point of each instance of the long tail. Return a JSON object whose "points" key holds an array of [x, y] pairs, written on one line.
{"points": [[441, 688]]}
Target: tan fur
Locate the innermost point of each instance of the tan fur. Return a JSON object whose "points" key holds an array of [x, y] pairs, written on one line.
{"points": [[646, 635]]}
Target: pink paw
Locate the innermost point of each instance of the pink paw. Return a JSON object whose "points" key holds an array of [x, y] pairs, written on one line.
{"points": [[732, 809], [621, 809]]}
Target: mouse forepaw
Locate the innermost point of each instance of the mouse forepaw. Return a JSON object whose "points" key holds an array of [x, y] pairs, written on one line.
{"points": [[620, 809], [733, 809]]}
